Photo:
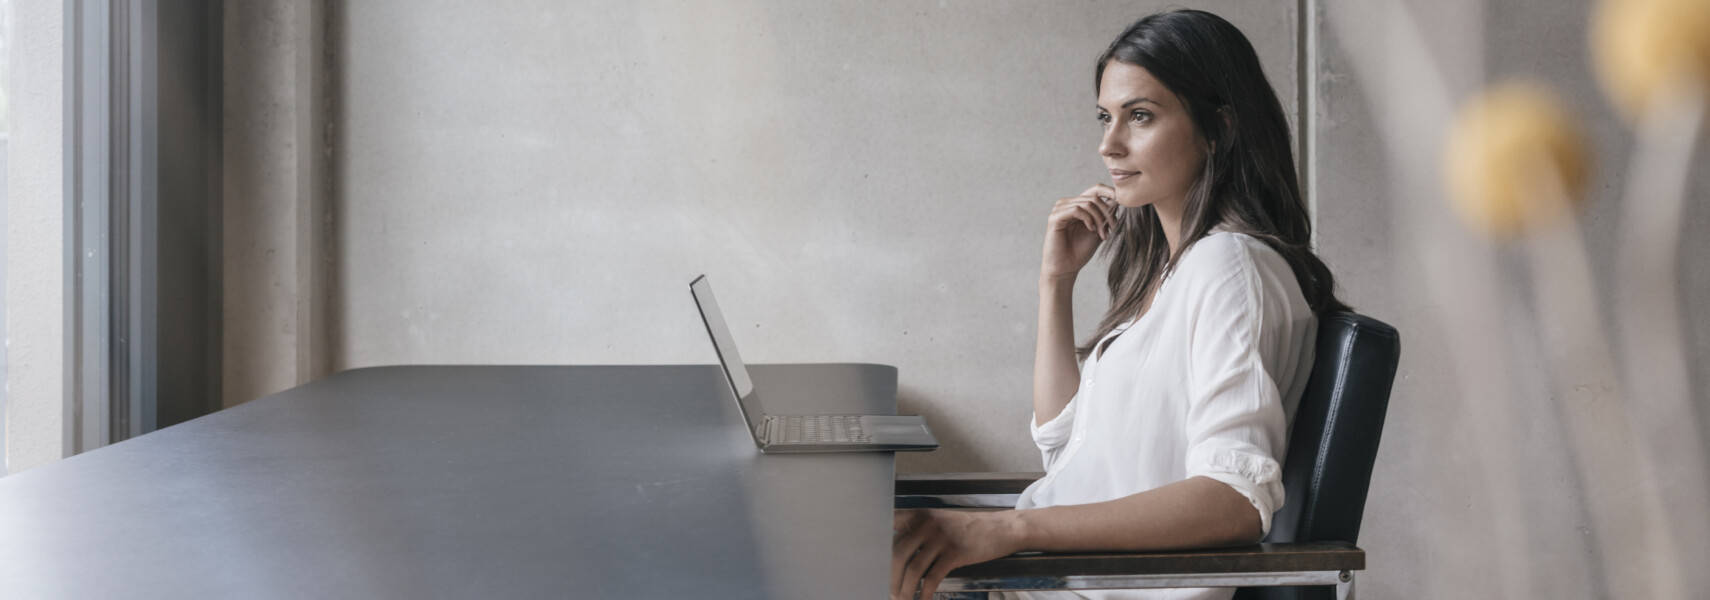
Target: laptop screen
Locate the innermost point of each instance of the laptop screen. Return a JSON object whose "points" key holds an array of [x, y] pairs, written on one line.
{"points": [[735, 371]]}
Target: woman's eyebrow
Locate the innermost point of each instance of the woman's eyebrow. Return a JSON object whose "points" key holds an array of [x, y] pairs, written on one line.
{"points": [[1134, 101]]}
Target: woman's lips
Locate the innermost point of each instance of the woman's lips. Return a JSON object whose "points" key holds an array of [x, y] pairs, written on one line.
{"points": [[1119, 175]]}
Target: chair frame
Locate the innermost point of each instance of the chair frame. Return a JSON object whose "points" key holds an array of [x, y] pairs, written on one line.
{"points": [[1257, 565]]}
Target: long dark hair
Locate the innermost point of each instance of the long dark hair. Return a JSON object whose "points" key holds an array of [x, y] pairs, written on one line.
{"points": [[1248, 185]]}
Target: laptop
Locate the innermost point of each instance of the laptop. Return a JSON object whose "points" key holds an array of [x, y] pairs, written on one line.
{"points": [[803, 433]]}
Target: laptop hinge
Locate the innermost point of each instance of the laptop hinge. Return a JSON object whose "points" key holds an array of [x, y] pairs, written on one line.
{"points": [[764, 430]]}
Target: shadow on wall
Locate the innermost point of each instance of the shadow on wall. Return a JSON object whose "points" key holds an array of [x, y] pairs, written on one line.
{"points": [[955, 439]]}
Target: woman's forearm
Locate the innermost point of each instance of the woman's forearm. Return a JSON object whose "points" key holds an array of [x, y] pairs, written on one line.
{"points": [[1056, 375], [1198, 512]]}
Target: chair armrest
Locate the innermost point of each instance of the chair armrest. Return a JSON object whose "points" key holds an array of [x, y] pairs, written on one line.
{"points": [[1256, 558], [1310, 563], [954, 484]]}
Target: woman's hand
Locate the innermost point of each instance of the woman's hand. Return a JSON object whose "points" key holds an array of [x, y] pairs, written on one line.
{"points": [[929, 543], [1074, 230]]}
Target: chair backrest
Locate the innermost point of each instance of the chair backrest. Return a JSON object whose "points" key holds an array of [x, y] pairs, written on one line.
{"points": [[1334, 442]]}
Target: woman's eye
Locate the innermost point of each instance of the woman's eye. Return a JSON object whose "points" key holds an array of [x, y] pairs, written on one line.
{"points": [[1104, 118], [1140, 116]]}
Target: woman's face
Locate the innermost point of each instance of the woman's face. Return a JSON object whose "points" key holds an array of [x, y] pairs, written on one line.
{"points": [[1150, 145]]}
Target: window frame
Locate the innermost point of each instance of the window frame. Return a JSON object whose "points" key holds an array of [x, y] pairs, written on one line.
{"points": [[133, 151]]}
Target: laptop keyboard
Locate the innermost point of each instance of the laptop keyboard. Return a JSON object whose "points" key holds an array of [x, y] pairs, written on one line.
{"points": [[822, 429]]}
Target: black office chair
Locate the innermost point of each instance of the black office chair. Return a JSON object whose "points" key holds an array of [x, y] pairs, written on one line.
{"points": [[1310, 551]]}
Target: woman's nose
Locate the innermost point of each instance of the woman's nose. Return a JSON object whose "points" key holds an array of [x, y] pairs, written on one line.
{"points": [[1112, 144]]}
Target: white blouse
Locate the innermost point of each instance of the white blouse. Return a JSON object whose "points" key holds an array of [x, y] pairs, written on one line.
{"points": [[1204, 384]]}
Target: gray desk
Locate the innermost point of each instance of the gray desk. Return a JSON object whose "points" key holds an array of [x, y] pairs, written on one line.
{"points": [[468, 482]]}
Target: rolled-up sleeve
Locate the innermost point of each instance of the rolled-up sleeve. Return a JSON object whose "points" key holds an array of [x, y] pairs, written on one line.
{"points": [[1236, 425], [1054, 434]]}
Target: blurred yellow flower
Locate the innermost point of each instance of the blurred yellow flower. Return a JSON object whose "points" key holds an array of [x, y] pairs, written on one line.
{"points": [[1514, 159], [1643, 47]]}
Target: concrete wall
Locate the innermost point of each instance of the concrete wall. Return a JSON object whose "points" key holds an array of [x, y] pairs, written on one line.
{"points": [[260, 200], [275, 196], [535, 183], [35, 261]]}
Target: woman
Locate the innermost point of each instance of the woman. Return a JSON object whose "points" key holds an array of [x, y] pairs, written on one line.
{"points": [[1166, 429]]}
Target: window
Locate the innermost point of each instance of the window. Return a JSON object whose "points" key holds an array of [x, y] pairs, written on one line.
{"points": [[141, 203]]}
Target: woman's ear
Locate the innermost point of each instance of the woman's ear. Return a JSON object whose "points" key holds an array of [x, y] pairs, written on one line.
{"points": [[1228, 115]]}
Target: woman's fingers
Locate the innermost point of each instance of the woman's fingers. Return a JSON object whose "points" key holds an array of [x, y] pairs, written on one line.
{"points": [[1093, 218], [1103, 217], [902, 552], [934, 576], [1107, 206], [910, 534], [1079, 209], [1098, 199], [1088, 212], [1106, 197], [918, 566], [1100, 190]]}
